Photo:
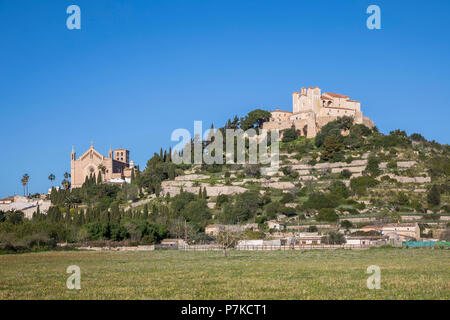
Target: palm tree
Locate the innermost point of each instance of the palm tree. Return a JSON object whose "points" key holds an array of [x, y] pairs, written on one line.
{"points": [[24, 181], [51, 177], [66, 183], [101, 168]]}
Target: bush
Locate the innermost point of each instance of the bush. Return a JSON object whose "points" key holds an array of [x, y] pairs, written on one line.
{"points": [[333, 237], [372, 167], [327, 214], [319, 201], [359, 185], [339, 189], [346, 174], [287, 198], [290, 134], [434, 196]]}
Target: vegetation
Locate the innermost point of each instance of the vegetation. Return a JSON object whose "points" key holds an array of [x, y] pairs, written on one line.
{"points": [[168, 274]]}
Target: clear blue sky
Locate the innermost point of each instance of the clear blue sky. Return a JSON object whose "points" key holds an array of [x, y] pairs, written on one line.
{"points": [[137, 70]]}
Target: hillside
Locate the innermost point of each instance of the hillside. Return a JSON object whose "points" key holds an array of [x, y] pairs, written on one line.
{"points": [[346, 177]]}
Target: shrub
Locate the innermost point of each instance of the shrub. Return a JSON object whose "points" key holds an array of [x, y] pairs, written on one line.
{"points": [[320, 200], [333, 237], [434, 196], [287, 198], [359, 185], [346, 174], [392, 164], [327, 214], [372, 167], [339, 189], [290, 134]]}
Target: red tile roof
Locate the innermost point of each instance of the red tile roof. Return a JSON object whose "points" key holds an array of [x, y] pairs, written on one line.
{"points": [[336, 95]]}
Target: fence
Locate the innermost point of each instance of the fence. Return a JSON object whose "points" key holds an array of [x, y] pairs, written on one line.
{"points": [[426, 244], [279, 247]]}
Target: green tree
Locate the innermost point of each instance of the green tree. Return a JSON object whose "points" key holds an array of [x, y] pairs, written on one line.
{"points": [[434, 196], [255, 118], [52, 178], [290, 134], [25, 179], [372, 167], [331, 146], [327, 214], [333, 237]]}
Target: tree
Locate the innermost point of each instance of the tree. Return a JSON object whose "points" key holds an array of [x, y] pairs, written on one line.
{"points": [[331, 146], [346, 224], [290, 134], [256, 117], [434, 196], [372, 167], [226, 240], [52, 178], [24, 181], [102, 169], [402, 199], [333, 237], [327, 214]]}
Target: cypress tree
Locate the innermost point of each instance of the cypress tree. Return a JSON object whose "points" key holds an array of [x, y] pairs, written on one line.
{"points": [[434, 196]]}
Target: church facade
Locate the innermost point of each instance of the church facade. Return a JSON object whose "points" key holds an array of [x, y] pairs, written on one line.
{"points": [[116, 168], [311, 110]]}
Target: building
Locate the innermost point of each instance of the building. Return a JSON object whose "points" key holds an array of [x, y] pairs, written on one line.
{"points": [[311, 110], [396, 231], [401, 231], [215, 229], [116, 168], [272, 224]]}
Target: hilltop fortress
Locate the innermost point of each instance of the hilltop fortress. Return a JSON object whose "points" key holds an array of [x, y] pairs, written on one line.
{"points": [[311, 110]]}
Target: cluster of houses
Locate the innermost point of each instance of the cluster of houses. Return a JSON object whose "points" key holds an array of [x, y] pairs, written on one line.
{"points": [[26, 205], [373, 235]]}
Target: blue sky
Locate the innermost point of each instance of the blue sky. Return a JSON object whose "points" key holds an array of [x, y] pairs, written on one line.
{"points": [[137, 70]]}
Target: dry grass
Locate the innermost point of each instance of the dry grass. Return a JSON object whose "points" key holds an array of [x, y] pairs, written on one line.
{"points": [[340, 274]]}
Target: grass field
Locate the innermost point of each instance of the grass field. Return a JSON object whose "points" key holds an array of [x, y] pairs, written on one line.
{"points": [[339, 274]]}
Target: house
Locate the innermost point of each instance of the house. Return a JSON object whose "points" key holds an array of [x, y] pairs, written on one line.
{"points": [[306, 238], [404, 231], [365, 240], [172, 243], [215, 229], [7, 200], [272, 224]]}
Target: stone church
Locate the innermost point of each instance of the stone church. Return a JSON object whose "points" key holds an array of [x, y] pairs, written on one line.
{"points": [[116, 168], [311, 110]]}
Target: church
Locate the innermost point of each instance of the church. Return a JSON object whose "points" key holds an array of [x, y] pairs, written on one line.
{"points": [[116, 168], [311, 110]]}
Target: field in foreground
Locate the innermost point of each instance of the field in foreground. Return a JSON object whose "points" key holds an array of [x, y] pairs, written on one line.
{"points": [[339, 274]]}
